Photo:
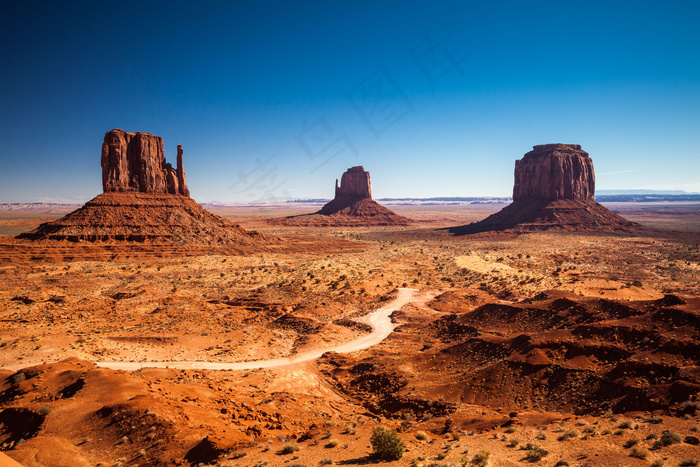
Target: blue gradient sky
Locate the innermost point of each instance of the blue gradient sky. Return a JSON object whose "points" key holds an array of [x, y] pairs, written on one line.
{"points": [[279, 98]]}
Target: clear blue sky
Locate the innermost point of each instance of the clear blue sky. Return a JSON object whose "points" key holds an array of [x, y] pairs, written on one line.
{"points": [[434, 98]]}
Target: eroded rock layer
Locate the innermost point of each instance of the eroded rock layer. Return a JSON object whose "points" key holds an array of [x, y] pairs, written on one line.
{"points": [[144, 217]]}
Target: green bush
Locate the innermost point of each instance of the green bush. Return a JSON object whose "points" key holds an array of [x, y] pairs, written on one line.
{"points": [[386, 444]]}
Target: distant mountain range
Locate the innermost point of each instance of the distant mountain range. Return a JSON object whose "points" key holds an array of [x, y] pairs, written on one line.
{"points": [[643, 192], [620, 196]]}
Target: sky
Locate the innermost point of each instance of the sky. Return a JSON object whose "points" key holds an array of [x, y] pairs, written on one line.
{"points": [[275, 100]]}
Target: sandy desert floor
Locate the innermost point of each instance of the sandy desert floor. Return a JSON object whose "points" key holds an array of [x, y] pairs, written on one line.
{"points": [[541, 348]]}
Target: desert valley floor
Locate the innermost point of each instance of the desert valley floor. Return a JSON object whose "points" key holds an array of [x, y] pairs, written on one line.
{"points": [[544, 348]]}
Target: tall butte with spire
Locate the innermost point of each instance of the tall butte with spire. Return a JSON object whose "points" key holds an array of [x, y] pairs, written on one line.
{"points": [[136, 162], [144, 199], [553, 190]]}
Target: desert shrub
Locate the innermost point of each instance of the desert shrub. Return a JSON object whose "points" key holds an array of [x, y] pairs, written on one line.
{"points": [[534, 452], [325, 461], [668, 438], [512, 443], [296, 464], [657, 463], [422, 435], [630, 443], [689, 462], [510, 429], [638, 453], [332, 443], [568, 434], [386, 443], [290, 448], [626, 425], [239, 454], [480, 458]]}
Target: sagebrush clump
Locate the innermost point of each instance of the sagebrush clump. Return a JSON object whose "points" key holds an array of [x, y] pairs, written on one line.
{"points": [[386, 444]]}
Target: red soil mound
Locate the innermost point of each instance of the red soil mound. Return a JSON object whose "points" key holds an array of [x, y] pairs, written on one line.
{"points": [[561, 353], [563, 215]]}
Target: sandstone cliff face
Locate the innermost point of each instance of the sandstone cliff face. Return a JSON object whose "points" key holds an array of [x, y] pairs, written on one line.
{"points": [[554, 171], [354, 184], [135, 162], [354, 187]]}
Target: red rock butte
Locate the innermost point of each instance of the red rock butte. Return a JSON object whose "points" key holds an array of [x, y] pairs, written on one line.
{"points": [[145, 200], [553, 190], [354, 187], [352, 206], [554, 171], [136, 162]]}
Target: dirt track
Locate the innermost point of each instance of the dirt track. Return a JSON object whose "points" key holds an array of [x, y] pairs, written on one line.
{"points": [[379, 320]]}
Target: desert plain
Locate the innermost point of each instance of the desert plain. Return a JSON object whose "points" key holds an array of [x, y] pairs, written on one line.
{"points": [[540, 348]]}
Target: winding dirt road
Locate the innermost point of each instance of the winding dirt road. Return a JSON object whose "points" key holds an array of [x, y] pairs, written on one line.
{"points": [[379, 320]]}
